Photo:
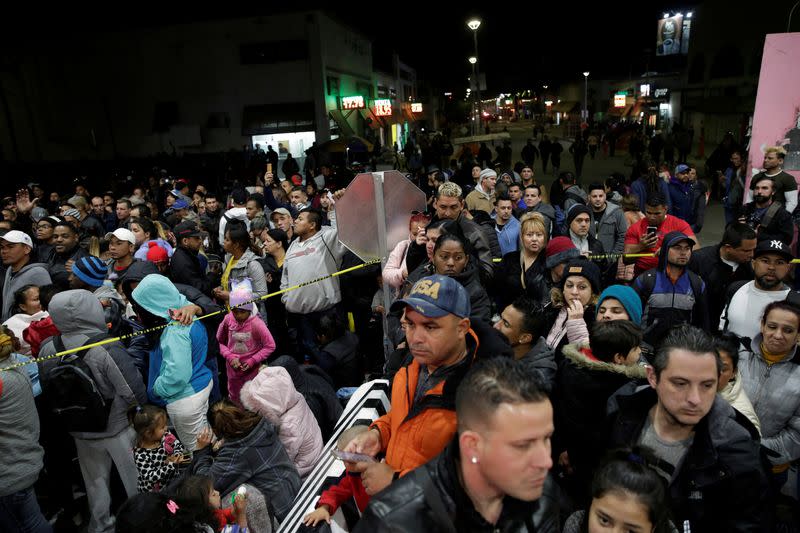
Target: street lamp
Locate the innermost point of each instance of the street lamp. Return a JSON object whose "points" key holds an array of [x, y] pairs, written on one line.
{"points": [[475, 123], [473, 25], [585, 96]]}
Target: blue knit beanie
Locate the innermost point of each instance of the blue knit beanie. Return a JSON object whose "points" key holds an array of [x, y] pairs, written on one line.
{"points": [[627, 297], [90, 270]]}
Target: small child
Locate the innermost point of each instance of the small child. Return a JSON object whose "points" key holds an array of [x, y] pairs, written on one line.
{"points": [[9, 343], [198, 495], [244, 339], [349, 487], [158, 453]]}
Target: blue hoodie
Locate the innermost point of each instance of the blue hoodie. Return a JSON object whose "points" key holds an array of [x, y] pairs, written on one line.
{"points": [[177, 363]]}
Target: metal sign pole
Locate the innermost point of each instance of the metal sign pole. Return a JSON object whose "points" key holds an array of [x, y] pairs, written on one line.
{"points": [[380, 211]]}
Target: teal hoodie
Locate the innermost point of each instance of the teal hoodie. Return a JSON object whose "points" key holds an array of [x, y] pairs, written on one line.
{"points": [[177, 363]]}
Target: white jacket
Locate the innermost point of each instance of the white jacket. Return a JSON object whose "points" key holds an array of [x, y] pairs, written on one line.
{"points": [[315, 257], [735, 395], [19, 323]]}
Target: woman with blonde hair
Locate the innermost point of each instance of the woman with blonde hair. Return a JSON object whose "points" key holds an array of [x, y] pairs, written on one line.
{"points": [[523, 271]]}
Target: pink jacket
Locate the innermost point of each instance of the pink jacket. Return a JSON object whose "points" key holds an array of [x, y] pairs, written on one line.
{"points": [[395, 265], [272, 395], [251, 341]]}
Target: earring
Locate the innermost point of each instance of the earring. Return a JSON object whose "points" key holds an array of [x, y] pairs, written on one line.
{"points": [[474, 460]]}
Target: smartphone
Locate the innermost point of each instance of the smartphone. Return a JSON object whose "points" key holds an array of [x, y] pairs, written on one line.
{"points": [[651, 230], [269, 167], [353, 457]]}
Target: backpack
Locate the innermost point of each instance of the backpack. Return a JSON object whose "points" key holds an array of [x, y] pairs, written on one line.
{"points": [[71, 394]]}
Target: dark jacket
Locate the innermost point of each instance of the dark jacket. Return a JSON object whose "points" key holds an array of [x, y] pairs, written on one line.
{"points": [[540, 361], [258, 459], [185, 268], [57, 265], [721, 484], [476, 236], [339, 358], [478, 298], [707, 264], [508, 280], [431, 499], [317, 389], [779, 228], [584, 385]]}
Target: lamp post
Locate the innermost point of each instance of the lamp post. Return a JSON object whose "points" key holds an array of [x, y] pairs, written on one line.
{"points": [[473, 25], [475, 121], [585, 96]]}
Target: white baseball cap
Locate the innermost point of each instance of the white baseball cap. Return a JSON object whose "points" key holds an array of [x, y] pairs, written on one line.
{"points": [[123, 235], [18, 237]]}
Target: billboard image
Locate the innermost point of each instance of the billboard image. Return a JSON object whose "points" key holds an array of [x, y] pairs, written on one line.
{"points": [[776, 121], [673, 35]]}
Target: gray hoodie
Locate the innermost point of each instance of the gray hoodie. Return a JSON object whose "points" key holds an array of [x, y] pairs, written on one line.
{"points": [[78, 315], [30, 274], [20, 453], [312, 258]]}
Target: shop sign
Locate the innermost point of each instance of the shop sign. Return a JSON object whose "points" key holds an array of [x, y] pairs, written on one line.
{"points": [[416, 107], [383, 108], [661, 93], [353, 102], [619, 100]]}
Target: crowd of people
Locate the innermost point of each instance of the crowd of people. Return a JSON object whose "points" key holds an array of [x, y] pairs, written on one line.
{"points": [[560, 360]]}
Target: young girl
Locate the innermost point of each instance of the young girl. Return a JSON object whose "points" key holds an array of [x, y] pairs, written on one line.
{"points": [[626, 493], [158, 453], [28, 310], [198, 495], [244, 339]]}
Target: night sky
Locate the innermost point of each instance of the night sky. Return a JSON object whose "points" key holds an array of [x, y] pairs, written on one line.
{"points": [[519, 48]]}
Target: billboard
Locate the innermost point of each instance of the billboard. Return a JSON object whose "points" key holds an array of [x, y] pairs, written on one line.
{"points": [[673, 35], [776, 121]]}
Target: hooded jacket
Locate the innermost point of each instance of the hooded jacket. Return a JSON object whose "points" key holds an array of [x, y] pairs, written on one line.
{"points": [[540, 361], [250, 342], [317, 389], [508, 239], [773, 391], [611, 230], [19, 323], [584, 385], [79, 317], [671, 303], [721, 483], [271, 393], [257, 459], [314, 257], [30, 274], [734, 394], [172, 375]]}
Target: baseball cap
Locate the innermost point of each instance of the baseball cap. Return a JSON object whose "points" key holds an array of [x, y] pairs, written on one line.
{"points": [[436, 296], [187, 228], [123, 235], [675, 237], [180, 203], [18, 237], [773, 246], [280, 211], [680, 169]]}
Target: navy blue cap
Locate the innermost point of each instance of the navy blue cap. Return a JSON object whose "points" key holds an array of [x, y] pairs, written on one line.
{"points": [[436, 296], [180, 203]]}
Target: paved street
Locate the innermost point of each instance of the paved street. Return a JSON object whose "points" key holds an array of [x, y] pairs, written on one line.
{"points": [[599, 168]]}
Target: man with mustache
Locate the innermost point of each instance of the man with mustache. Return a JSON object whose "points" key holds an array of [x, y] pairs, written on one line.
{"points": [[772, 261], [767, 215]]}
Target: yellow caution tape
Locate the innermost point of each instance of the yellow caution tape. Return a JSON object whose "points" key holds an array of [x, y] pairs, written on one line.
{"points": [[156, 328]]}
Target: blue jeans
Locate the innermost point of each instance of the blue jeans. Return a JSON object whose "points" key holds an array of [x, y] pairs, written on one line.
{"points": [[20, 512]]}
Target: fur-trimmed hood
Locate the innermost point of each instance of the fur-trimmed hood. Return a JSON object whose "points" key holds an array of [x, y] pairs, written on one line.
{"points": [[573, 353]]}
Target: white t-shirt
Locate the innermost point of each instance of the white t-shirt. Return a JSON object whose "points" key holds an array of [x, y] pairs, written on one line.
{"points": [[746, 307]]}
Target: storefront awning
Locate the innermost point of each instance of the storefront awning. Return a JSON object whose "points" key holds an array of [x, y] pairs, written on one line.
{"points": [[278, 118], [345, 130]]}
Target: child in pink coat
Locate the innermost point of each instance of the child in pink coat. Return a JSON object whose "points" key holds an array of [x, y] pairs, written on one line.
{"points": [[244, 339]]}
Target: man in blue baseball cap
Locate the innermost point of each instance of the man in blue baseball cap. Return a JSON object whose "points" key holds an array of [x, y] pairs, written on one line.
{"points": [[422, 419]]}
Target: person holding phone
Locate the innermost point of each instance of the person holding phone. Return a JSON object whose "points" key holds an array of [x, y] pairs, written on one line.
{"points": [[645, 236]]}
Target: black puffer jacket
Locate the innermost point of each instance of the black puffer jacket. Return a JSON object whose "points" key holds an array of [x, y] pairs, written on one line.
{"points": [[406, 506], [508, 281], [185, 268], [481, 305], [721, 485]]}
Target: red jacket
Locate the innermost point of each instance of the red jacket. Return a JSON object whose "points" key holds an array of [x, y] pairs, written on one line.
{"points": [[349, 487], [38, 332]]}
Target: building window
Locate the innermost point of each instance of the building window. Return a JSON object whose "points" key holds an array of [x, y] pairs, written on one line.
{"points": [[269, 52], [333, 86], [383, 92]]}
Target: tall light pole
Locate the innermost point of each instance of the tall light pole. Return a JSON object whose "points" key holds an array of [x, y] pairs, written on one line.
{"points": [[585, 96], [475, 120], [474, 24]]}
